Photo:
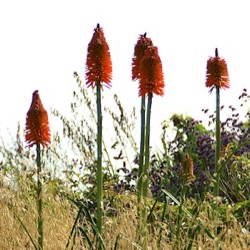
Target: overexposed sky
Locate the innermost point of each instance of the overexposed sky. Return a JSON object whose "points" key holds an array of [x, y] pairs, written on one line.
{"points": [[43, 42]]}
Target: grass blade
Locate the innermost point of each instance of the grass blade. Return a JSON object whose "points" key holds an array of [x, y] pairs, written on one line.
{"points": [[82, 231], [177, 202], [73, 228], [25, 229]]}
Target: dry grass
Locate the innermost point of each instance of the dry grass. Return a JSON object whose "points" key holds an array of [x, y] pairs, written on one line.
{"points": [[58, 221], [59, 217]]}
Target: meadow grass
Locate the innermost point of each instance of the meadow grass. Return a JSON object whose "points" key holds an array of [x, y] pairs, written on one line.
{"points": [[181, 213], [119, 229]]}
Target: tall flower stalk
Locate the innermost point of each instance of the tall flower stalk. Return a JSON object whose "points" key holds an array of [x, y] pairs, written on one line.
{"points": [[142, 43], [37, 133], [151, 82], [217, 77], [218, 143], [98, 72], [147, 68]]}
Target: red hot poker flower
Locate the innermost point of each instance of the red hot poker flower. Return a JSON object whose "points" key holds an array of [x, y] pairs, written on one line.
{"points": [[217, 74], [151, 75], [142, 43], [37, 125], [98, 64]]}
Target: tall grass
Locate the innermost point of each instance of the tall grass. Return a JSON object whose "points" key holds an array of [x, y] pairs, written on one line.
{"points": [[190, 220]]}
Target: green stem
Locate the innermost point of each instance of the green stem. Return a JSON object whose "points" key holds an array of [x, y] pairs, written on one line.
{"points": [[218, 143], [39, 198], [141, 157], [88, 102], [99, 159], [145, 174]]}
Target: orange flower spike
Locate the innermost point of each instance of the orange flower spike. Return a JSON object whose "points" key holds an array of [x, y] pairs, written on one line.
{"points": [[37, 125], [142, 43], [217, 74], [187, 170], [98, 63], [152, 80]]}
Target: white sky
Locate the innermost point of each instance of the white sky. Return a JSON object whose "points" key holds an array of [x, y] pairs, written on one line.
{"points": [[43, 42]]}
